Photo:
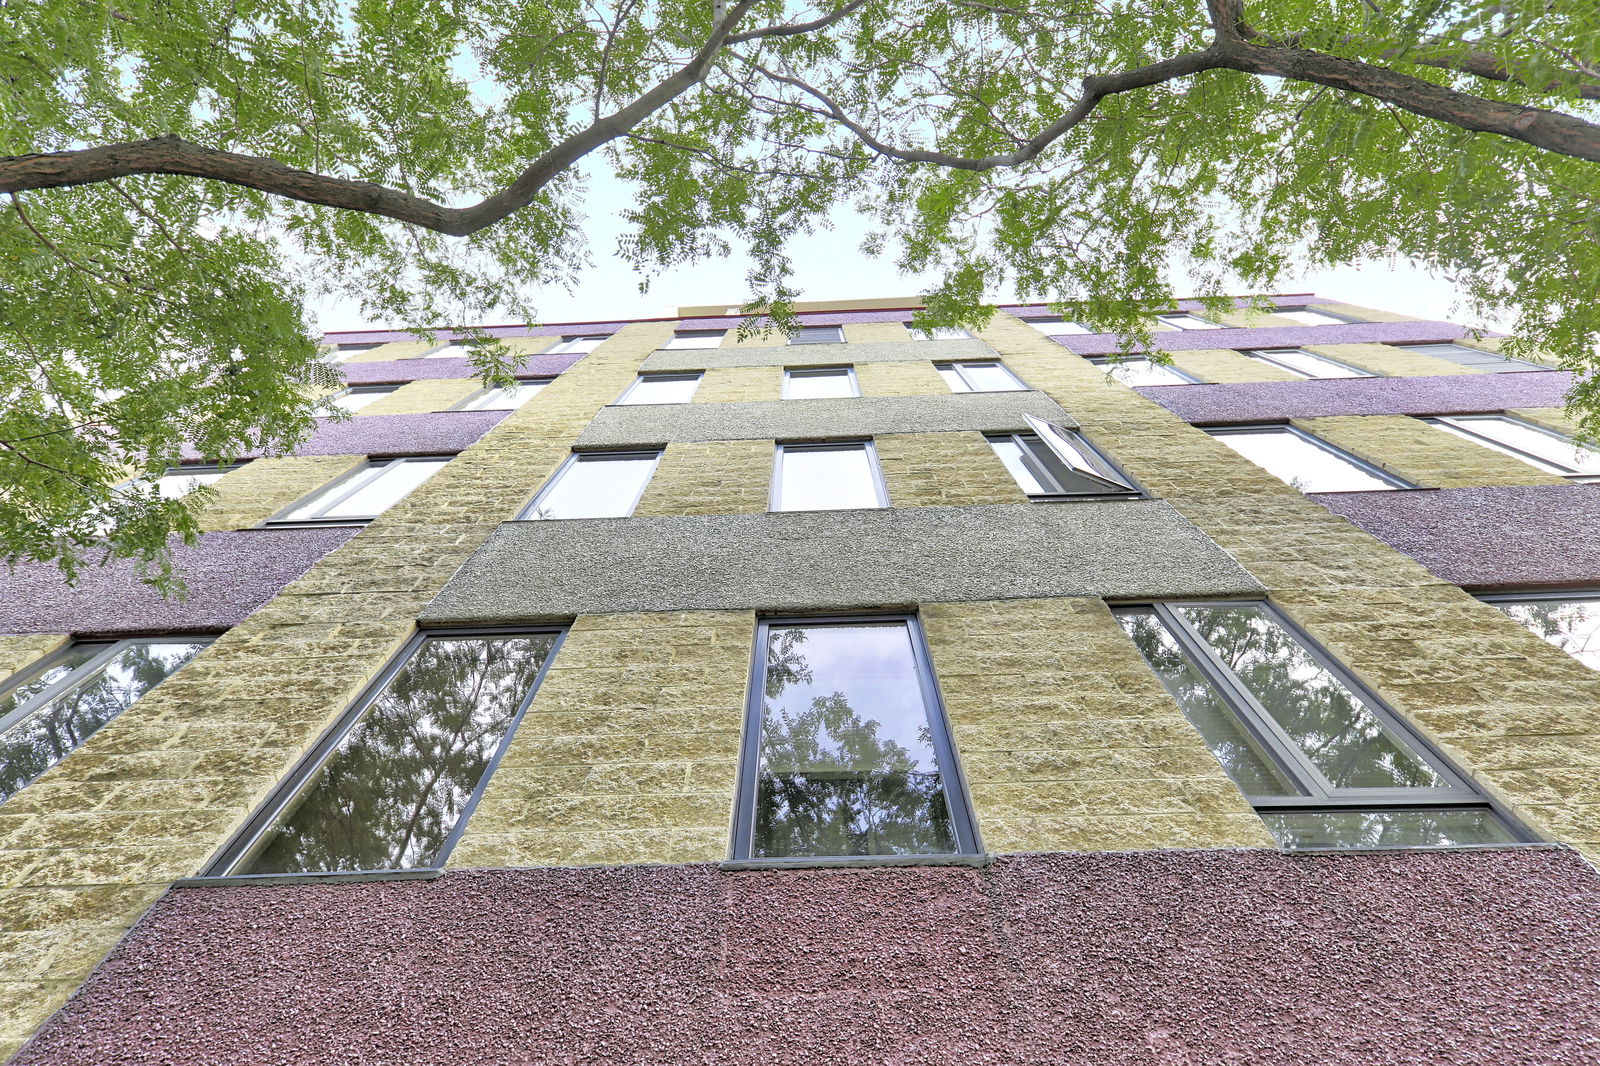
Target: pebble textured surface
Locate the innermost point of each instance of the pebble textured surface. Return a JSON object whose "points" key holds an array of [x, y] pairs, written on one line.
{"points": [[1159, 958], [1512, 536], [385, 436], [229, 575], [1278, 400], [1180, 340], [818, 355], [390, 371]]}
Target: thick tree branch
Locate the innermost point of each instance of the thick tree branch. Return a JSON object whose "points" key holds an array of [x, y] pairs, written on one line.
{"points": [[1484, 65]]}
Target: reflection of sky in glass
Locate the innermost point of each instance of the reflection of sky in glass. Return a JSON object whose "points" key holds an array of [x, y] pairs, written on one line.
{"points": [[1571, 625], [1306, 466], [1562, 454], [1387, 829], [386, 490], [677, 388], [991, 377], [1010, 453], [596, 487], [827, 479], [30, 686], [817, 385], [1142, 372], [505, 399], [175, 486], [1307, 364]]}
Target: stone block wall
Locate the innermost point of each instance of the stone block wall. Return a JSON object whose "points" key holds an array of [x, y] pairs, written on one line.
{"points": [[944, 469], [710, 477], [261, 488], [1422, 454]]}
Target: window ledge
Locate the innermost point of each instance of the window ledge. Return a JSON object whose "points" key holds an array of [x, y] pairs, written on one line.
{"points": [[1514, 845], [424, 873], [856, 862]]}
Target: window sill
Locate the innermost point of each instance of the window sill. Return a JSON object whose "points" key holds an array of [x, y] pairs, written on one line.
{"points": [[1515, 845], [1090, 497], [422, 873], [856, 862]]}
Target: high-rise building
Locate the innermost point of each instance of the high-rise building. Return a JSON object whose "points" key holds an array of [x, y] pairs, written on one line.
{"points": [[857, 695]]}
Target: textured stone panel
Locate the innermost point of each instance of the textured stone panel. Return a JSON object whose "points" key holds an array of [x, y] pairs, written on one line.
{"points": [[393, 371], [854, 417], [836, 559], [710, 477], [1172, 957], [385, 436], [906, 351], [1445, 395]]}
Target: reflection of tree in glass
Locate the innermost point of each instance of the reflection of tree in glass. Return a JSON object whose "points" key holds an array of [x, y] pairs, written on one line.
{"points": [[786, 665], [1571, 625], [394, 787], [1387, 829], [44, 737]]}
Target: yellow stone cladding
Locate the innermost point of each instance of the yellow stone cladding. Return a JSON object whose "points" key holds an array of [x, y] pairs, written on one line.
{"points": [[748, 384], [875, 332], [1386, 360], [421, 397], [944, 470], [710, 477], [1426, 456], [18, 651], [1225, 366], [261, 488], [900, 379]]}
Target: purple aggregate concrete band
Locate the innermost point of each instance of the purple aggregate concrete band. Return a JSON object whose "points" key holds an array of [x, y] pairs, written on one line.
{"points": [[1273, 337], [1178, 958], [810, 318], [395, 371], [228, 575], [1504, 537], [444, 336], [387, 436], [1274, 401]]}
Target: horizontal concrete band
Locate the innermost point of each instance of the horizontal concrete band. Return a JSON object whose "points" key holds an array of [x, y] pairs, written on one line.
{"points": [[819, 355], [387, 436], [855, 417], [837, 559], [1276, 400], [399, 371], [1276, 337], [1504, 537], [228, 576]]}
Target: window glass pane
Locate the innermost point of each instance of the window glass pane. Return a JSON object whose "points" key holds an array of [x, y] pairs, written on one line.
{"points": [[827, 479], [941, 333], [1056, 327], [661, 388], [49, 732], [505, 399], [1142, 372], [818, 335], [1307, 466], [1240, 754], [1010, 451], [1525, 441], [451, 351], [1339, 734], [1308, 317], [1387, 829], [353, 400], [394, 786], [1071, 462], [692, 339], [31, 684], [1306, 363], [179, 482], [990, 377], [952, 377], [1473, 357], [1571, 625], [1187, 321], [392, 484], [584, 344], [595, 486], [818, 384], [847, 763]]}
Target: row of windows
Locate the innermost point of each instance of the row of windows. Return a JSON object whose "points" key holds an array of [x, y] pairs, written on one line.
{"points": [[1057, 326], [847, 752]]}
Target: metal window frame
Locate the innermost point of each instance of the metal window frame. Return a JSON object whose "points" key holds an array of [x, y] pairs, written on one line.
{"points": [[1342, 318], [820, 372], [337, 497], [76, 676], [1590, 595], [1108, 362], [565, 345], [958, 800], [718, 333], [577, 457], [1265, 355], [669, 375], [1206, 323], [1277, 427], [1026, 440], [794, 338], [775, 492], [200, 468], [245, 842], [436, 352], [1511, 365], [1546, 465], [959, 369], [464, 404]]}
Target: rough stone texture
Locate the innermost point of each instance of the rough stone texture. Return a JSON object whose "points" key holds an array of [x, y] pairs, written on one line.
{"points": [[387, 436], [903, 351], [843, 419], [1179, 340], [391, 371], [803, 560], [18, 651], [743, 384], [261, 488], [1067, 739], [901, 379], [1224, 366], [944, 470], [872, 332], [1275, 401], [710, 477], [1426, 456], [229, 575], [1135, 959], [629, 751], [422, 397], [1487, 538]]}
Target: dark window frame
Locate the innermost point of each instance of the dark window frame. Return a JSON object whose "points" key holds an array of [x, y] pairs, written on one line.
{"points": [[1272, 427], [774, 492], [278, 521], [1484, 440], [799, 336], [1264, 355], [1024, 438], [958, 368], [820, 372], [599, 455], [648, 377]]}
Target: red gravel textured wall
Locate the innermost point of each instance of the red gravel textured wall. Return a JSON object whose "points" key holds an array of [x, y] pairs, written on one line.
{"points": [[1176, 957]]}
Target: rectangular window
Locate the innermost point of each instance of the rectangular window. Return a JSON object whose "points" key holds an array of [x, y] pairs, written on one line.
{"points": [[820, 383], [391, 787], [338, 353], [356, 397], [504, 399], [1477, 358], [1187, 321], [1052, 461], [660, 388], [1309, 464], [1057, 326], [694, 340], [1552, 452], [1137, 371], [52, 708], [179, 481], [817, 335], [847, 752], [1323, 761], [365, 492], [1305, 364], [580, 344], [454, 350], [827, 477], [594, 485], [940, 333], [1569, 620], [1307, 317], [987, 376]]}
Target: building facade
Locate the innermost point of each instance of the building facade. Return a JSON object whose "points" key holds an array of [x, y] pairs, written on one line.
{"points": [[858, 695]]}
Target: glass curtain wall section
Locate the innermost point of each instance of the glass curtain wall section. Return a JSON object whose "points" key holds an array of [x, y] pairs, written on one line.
{"points": [[1569, 620], [1141, 371], [847, 753], [48, 711], [391, 787], [1303, 461], [1325, 764], [364, 493], [1545, 449], [594, 485]]}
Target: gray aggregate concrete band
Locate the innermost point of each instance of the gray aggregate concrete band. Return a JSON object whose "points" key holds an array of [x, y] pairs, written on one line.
{"points": [[792, 420], [387, 436], [228, 575], [1276, 337], [837, 559], [1265, 401], [1503, 537], [399, 371], [819, 355]]}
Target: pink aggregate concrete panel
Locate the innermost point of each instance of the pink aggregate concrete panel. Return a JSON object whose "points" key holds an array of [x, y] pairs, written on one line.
{"points": [[1177, 957], [397, 371], [1262, 401]]}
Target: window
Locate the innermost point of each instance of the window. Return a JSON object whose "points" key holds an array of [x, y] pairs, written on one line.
{"points": [[1052, 461], [1477, 358], [356, 397], [504, 399], [979, 377], [1141, 371], [1187, 321], [1305, 364], [1325, 764], [1303, 461], [579, 344], [691, 339], [453, 350], [847, 752], [364, 493], [49, 710], [660, 388], [338, 353], [1569, 620], [1057, 326], [391, 787], [179, 481], [594, 485], [940, 333], [1534, 445], [817, 335], [820, 383], [827, 477], [1306, 316]]}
